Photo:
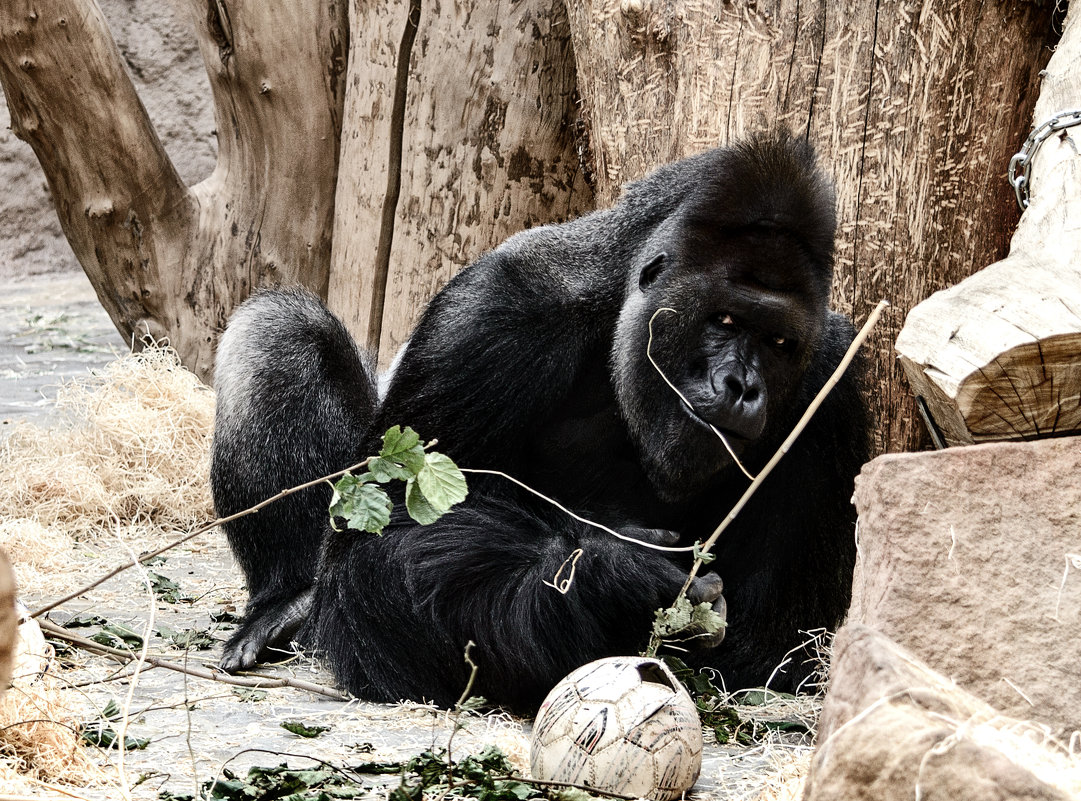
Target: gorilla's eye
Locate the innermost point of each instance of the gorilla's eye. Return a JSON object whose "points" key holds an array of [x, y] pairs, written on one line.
{"points": [[780, 342], [723, 320]]}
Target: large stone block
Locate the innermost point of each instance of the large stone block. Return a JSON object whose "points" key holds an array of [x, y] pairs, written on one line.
{"points": [[892, 729], [971, 558]]}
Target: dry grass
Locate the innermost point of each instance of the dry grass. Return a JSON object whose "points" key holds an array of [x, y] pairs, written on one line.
{"points": [[39, 723], [130, 451], [125, 461]]}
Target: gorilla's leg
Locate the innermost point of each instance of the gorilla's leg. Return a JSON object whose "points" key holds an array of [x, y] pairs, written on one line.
{"points": [[294, 401], [394, 613]]}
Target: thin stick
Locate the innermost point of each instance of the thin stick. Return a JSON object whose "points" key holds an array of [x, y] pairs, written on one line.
{"points": [[468, 691], [201, 530], [850, 354], [198, 672]]}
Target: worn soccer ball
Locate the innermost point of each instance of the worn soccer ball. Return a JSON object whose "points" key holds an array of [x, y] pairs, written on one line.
{"points": [[624, 725]]}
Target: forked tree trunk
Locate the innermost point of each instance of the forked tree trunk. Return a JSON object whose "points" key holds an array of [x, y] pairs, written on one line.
{"points": [[464, 141], [167, 260], [915, 108]]}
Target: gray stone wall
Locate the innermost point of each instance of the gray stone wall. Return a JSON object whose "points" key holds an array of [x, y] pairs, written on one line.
{"points": [[157, 41]]}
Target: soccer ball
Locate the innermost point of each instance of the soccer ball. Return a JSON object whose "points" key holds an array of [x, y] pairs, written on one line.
{"points": [[624, 725]]}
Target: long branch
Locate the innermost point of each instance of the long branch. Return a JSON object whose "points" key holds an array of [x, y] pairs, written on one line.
{"points": [[850, 354], [201, 530], [199, 672]]}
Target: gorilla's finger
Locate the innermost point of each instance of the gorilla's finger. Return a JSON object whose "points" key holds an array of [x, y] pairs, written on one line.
{"points": [[707, 588]]}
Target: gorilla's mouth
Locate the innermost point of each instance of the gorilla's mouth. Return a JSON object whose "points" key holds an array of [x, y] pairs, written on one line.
{"points": [[735, 439]]}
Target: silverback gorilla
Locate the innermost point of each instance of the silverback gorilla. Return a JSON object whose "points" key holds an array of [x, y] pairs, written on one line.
{"points": [[533, 361]]}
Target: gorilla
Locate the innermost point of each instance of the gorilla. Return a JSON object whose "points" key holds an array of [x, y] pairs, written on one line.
{"points": [[555, 358]]}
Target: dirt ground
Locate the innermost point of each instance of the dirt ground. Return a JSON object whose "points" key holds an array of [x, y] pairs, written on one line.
{"points": [[52, 329]]}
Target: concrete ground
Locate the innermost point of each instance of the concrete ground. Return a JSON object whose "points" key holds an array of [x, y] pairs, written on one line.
{"points": [[51, 329]]}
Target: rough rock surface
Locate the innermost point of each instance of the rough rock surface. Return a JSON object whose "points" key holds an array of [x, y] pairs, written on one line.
{"points": [[157, 42], [893, 729], [971, 558]]}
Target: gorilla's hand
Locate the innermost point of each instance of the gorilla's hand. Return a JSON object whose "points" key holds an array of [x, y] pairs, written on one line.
{"points": [[703, 589], [708, 589]]}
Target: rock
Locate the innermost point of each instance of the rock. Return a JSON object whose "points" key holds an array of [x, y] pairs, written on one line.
{"points": [[892, 729], [971, 558]]}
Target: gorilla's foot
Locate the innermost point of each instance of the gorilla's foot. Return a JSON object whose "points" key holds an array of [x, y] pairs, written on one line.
{"points": [[265, 633]]}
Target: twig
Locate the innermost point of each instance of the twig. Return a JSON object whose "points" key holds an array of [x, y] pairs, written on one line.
{"points": [[850, 354], [579, 518], [458, 712], [201, 530], [262, 682]]}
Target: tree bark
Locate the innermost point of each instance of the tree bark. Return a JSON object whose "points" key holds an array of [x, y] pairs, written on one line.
{"points": [[481, 147], [168, 261], [999, 355], [915, 108]]}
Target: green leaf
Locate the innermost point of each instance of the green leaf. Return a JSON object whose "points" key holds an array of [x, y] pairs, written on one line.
{"points": [[365, 507], [116, 635], [760, 697], [441, 482], [384, 470], [404, 448], [106, 737], [705, 557], [85, 619], [417, 505], [683, 619], [302, 729], [192, 640], [249, 694]]}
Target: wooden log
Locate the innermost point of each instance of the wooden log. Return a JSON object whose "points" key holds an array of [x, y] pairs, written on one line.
{"points": [[998, 356]]}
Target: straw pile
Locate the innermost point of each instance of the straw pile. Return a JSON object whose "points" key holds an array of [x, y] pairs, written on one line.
{"points": [[129, 450], [125, 459]]}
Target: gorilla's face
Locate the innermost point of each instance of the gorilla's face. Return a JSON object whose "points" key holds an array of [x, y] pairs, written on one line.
{"points": [[735, 315]]}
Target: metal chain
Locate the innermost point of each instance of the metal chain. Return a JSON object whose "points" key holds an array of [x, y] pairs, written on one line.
{"points": [[1021, 163]]}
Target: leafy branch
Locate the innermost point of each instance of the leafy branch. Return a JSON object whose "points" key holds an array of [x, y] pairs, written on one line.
{"points": [[433, 484], [439, 469]]}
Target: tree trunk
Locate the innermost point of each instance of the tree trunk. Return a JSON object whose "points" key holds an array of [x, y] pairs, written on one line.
{"points": [[999, 355], [914, 108], [466, 142], [168, 261]]}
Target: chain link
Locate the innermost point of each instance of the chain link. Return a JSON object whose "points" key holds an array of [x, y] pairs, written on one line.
{"points": [[1021, 163]]}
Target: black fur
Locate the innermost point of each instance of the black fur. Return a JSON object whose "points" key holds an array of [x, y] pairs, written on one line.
{"points": [[533, 361]]}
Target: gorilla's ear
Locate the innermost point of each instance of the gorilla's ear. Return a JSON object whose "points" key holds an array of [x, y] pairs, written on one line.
{"points": [[652, 270]]}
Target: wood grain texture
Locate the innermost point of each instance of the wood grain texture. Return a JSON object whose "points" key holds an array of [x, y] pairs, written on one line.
{"points": [[914, 108], [167, 260], [487, 144], [998, 356]]}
